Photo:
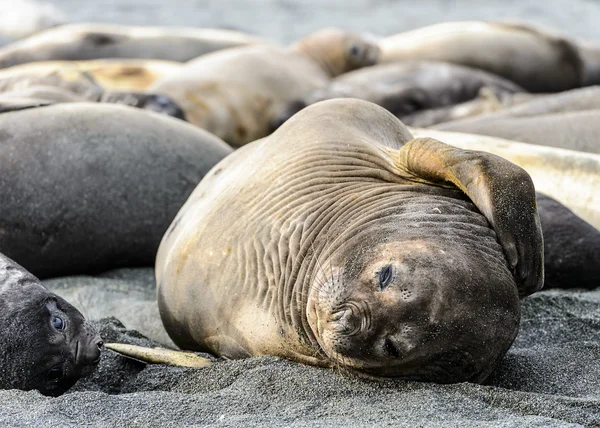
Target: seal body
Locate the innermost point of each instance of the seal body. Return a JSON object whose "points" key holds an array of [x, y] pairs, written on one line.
{"points": [[314, 245], [21, 92], [100, 189], [115, 74], [567, 120], [46, 343], [236, 94], [93, 41], [535, 59], [409, 87]]}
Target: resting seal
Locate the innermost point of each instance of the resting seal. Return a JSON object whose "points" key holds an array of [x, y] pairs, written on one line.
{"points": [[93, 41], [237, 93], [113, 74], [569, 120], [100, 188], [22, 92], [342, 242], [46, 343], [535, 59], [404, 88]]}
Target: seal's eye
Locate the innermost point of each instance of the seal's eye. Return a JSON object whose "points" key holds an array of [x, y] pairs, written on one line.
{"points": [[354, 50], [385, 277], [54, 374], [58, 323]]}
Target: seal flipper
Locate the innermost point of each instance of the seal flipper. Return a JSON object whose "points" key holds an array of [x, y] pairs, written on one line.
{"points": [[502, 191], [160, 355]]}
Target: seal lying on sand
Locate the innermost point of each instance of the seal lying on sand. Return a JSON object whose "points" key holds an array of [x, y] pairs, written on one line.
{"points": [[537, 60], [404, 88], [570, 120], [93, 41], [19, 93], [237, 93], [342, 242], [46, 343], [114, 74], [100, 188]]}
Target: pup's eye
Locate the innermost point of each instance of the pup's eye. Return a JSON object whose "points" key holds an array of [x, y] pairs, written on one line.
{"points": [[54, 374], [58, 323], [385, 276]]}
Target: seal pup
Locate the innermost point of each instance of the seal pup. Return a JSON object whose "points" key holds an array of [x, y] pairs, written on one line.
{"points": [[567, 120], [114, 74], [237, 93], [405, 88], [341, 241], [100, 189], [535, 59], [93, 41], [46, 343], [21, 92]]}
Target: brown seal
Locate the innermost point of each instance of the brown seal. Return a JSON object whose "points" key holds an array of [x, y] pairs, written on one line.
{"points": [[237, 93], [341, 241]]}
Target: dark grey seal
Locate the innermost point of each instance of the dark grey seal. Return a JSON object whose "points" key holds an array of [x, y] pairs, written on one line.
{"points": [[90, 187]]}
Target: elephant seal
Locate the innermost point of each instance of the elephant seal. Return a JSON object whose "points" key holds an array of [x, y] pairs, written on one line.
{"points": [[571, 247], [46, 343], [100, 188], [535, 59], [404, 88], [487, 101], [114, 74], [568, 120], [21, 92], [94, 41], [340, 241], [237, 93]]}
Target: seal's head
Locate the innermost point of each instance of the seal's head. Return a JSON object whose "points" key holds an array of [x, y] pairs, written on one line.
{"points": [[153, 102], [47, 344], [417, 308], [338, 51]]}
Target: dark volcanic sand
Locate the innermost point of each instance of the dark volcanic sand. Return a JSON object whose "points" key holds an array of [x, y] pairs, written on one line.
{"points": [[551, 377]]}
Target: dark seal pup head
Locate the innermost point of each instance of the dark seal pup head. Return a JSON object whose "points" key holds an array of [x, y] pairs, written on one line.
{"points": [[152, 102], [46, 343]]}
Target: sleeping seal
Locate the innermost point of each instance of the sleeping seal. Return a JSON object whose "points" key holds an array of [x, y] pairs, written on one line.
{"points": [[408, 87], [114, 74], [535, 59], [237, 93], [22, 92], [93, 41], [569, 120], [100, 188], [46, 343], [341, 241]]}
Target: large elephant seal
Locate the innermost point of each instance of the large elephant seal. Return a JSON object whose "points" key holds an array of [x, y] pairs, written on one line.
{"points": [[569, 120], [535, 59], [100, 188], [46, 343], [21, 92], [114, 74], [342, 242], [405, 88], [93, 41], [236, 94]]}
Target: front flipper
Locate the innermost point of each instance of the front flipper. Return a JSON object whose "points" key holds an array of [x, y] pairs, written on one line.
{"points": [[502, 191]]}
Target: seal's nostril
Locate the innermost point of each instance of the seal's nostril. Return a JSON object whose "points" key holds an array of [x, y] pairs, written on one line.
{"points": [[100, 344]]}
